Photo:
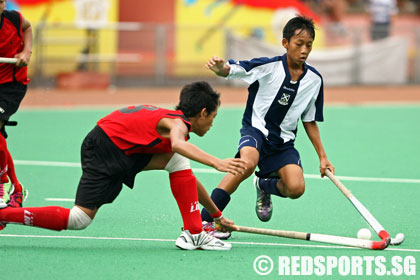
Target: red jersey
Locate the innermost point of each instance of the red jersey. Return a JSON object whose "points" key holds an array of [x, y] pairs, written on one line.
{"points": [[11, 43], [133, 129]]}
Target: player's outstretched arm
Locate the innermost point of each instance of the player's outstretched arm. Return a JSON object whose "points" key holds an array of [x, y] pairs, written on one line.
{"points": [[191, 151], [218, 66], [178, 131], [312, 131]]}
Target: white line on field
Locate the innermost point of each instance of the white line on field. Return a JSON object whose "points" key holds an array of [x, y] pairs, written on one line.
{"points": [[59, 199], [213, 171], [46, 163], [173, 240]]}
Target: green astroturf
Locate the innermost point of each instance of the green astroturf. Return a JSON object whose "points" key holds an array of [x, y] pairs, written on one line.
{"points": [[359, 141]]}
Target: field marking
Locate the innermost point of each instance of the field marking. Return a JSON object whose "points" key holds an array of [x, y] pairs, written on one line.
{"points": [[213, 171], [173, 240], [46, 163], [59, 199]]}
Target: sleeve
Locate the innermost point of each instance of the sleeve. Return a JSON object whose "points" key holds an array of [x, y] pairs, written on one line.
{"points": [[16, 18], [314, 111], [249, 71]]}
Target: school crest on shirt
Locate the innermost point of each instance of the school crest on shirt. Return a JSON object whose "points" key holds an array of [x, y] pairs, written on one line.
{"points": [[284, 100]]}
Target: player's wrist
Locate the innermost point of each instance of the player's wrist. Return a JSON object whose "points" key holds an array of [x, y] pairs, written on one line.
{"points": [[217, 215]]}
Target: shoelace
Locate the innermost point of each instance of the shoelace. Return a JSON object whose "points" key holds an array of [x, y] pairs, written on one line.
{"points": [[264, 200]]}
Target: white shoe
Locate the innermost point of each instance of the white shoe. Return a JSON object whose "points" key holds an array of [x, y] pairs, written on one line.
{"points": [[202, 240]]}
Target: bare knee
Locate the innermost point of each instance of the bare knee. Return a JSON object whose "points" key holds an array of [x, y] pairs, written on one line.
{"points": [[250, 168], [295, 189]]}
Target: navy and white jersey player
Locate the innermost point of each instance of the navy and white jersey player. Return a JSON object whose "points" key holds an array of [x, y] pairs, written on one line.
{"points": [[282, 90]]}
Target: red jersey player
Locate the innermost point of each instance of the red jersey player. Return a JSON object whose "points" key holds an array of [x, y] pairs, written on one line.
{"points": [[15, 41], [140, 138]]}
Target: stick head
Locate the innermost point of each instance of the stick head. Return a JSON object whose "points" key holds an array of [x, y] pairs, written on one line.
{"points": [[399, 238]]}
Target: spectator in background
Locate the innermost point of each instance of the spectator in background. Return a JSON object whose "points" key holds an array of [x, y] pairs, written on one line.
{"points": [[335, 11], [381, 12]]}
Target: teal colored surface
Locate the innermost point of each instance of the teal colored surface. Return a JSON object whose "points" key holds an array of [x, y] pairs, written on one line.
{"points": [[360, 142]]}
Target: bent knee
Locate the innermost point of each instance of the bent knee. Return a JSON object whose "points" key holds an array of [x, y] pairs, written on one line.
{"points": [[78, 219], [250, 167], [296, 190]]}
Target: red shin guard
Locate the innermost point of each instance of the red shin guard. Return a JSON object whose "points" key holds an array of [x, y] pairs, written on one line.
{"points": [[50, 217], [7, 168], [12, 174], [184, 189], [4, 157]]}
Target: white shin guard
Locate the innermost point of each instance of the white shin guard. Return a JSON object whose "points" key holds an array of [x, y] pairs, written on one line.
{"points": [[78, 219], [177, 163]]}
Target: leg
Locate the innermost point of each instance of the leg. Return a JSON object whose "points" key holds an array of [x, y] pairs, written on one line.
{"points": [[229, 183], [292, 183], [4, 156], [5, 186], [50, 217], [183, 186], [184, 189], [7, 171]]}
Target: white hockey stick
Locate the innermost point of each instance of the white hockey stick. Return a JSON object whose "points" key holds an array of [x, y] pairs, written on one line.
{"points": [[375, 225], [324, 238], [8, 60]]}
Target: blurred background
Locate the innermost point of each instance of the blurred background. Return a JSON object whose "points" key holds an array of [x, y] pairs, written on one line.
{"points": [[132, 43]]}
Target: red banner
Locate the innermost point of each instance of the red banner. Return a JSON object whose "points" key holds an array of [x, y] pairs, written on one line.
{"points": [[35, 2], [279, 4]]}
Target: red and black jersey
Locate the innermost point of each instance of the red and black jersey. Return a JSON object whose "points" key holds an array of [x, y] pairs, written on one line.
{"points": [[133, 129], [11, 43]]}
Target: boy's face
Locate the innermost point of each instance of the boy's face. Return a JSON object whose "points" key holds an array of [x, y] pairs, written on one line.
{"points": [[2, 5], [299, 46], [204, 122]]}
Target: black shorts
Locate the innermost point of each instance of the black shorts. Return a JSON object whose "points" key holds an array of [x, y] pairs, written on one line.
{"points": [[11, 94], [105, 169]]}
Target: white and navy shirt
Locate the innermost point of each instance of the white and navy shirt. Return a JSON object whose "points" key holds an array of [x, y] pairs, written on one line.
{"points": [[382, 10], [275, 102]]}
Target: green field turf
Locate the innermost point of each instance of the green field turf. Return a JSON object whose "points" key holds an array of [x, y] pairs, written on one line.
{"points": [[133, 238]]}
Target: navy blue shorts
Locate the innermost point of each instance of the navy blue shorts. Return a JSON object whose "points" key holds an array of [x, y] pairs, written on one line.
{"points": [[272, 156]]}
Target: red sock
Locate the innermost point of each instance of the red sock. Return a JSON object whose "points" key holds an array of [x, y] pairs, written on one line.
{"points": [[11, 173], [3, 160], [184, 189], [50, 217]]}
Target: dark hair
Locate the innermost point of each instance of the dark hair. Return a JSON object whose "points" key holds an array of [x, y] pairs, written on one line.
{"points": [[196, 96], [296, 23]]}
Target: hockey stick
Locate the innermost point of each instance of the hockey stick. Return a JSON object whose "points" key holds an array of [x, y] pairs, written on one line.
{"points": [[324, 238], [375, 225], [8, 60]]}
